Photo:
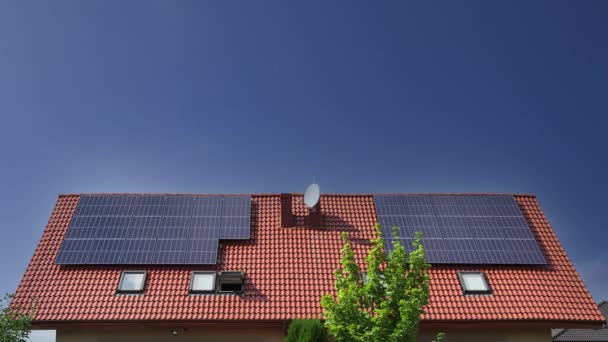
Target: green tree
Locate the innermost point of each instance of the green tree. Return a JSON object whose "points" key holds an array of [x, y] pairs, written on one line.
{"points": [[15, 321], [388, 305], [306, 330]]}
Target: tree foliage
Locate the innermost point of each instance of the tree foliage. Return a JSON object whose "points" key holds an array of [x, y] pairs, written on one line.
{"points": [[15, 321], [306, 330], [389, 305]]}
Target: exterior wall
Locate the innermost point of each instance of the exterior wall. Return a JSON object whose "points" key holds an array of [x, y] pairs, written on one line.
{"points": [[164, 334], [491, 335], [277, 335]]}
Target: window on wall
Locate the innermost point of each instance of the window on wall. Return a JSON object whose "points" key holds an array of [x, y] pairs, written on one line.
{"points": [[474, 283], [132, 282], [202, 282], [230, 282]]}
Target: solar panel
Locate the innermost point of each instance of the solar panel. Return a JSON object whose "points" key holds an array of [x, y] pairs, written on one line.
{"points": [[460, 229], [235, 221], [203, 251], [153, 229]]}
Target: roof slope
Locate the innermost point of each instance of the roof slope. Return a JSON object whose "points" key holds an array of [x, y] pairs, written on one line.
{"points": [[288, 270], [576, 335]]}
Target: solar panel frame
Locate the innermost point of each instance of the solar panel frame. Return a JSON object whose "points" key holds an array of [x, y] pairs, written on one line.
{"points": [[236, 218], [488, 229], [153, 229]]}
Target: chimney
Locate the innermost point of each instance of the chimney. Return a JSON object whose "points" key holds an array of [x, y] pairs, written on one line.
{"points": [[287, 219]]}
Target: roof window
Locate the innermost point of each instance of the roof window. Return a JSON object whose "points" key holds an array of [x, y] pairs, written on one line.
{"points": [[230, 282], [202, 282], [132, 282], [474, 283]]}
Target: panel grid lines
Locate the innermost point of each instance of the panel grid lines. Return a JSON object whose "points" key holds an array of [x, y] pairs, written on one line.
{"points": [[460, 229], [153, 229]]}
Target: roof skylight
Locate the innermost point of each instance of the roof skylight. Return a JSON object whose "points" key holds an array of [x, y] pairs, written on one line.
{"points": [[132, 282], [202, 282], [474, 283]]}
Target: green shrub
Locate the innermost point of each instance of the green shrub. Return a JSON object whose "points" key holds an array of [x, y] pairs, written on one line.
{"points": [[15, 320], [306, 330]]}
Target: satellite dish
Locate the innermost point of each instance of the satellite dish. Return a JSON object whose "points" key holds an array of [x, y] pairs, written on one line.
{"points": [[312, 195]]}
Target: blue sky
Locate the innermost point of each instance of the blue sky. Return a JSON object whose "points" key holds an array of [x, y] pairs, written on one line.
{"points": [[250, 97]]}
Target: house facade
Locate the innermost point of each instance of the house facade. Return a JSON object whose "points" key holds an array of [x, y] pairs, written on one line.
{"points": [[129, 267]]}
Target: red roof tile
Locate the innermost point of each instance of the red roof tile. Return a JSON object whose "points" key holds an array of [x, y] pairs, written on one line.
{"points": [[288, 270]]}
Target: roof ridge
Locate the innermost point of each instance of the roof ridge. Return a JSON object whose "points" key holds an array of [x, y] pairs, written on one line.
{"points": [[294, 193]]}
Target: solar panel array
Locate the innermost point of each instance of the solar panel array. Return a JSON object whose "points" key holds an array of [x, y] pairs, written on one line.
{"points": [[151, 229], [460, 229]]}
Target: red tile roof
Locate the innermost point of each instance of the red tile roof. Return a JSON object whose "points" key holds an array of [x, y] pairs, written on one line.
{"points": [[288, 270]]}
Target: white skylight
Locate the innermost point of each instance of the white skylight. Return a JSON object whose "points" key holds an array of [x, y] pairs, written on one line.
{"points": [[202, 282], [474, 283], [132, 282]]}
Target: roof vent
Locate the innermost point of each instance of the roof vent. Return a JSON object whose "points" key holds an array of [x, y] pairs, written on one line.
{"points": [[312, 200]]}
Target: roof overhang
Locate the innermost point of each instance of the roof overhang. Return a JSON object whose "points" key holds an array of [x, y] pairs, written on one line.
{"points": [[97, 324], [281, 324]]}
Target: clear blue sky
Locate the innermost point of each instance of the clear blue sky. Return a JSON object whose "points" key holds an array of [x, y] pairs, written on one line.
{"points": [[250, 97]]}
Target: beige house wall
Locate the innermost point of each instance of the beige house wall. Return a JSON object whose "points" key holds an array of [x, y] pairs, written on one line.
{"points": [[492, 335], [165, 334], [277, 335]]}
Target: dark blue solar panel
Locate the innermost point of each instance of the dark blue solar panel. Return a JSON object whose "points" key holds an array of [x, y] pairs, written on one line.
{"points": [[390, 210], [144, 222], [147, 210], [138, 251], [111, 233], [207, 206], [388, 200], [105, 251], [81, 233], [422, 221], [136, 257], [153, 229], [205, 222], [236, 218], [118, 210], [201, 252], [427, 232], [460, 229], [177, 211], [169, 251], [448, 210], [173, 233], [75, 251], [419, 210], [235, 227], [141, 233]]}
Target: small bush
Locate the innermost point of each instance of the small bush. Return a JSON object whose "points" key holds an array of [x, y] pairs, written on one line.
{"points": [[306, 330]]}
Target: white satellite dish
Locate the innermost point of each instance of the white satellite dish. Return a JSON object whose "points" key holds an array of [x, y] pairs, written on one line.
{"points": [[312, 195]]}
